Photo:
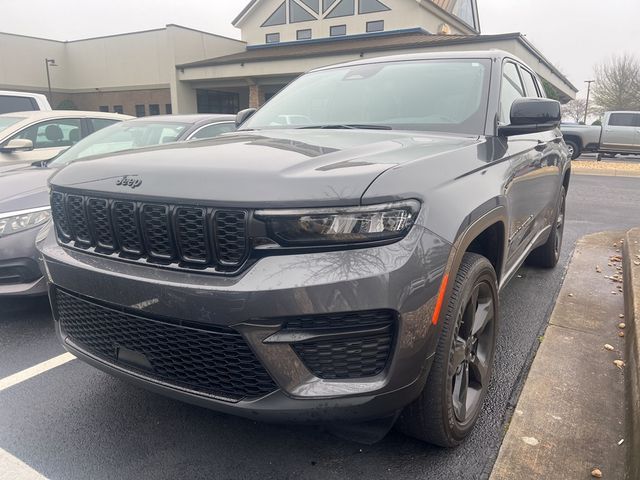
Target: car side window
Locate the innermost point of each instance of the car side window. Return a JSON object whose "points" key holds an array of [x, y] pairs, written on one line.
{"points": [[63, 132], [529, 83], [214, 130], [624, 120], [512, 89], [100, 123]]}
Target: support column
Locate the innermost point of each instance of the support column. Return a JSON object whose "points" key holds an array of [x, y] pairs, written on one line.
{"points": [[256, 96]]}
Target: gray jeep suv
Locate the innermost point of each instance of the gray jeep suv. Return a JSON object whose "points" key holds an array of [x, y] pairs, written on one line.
{"points": [[336, 260]]}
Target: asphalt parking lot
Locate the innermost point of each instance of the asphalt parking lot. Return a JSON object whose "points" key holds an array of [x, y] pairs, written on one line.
{"points": [[74, 422]]}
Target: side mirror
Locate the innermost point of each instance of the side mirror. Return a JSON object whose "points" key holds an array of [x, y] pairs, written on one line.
{"points": [[17, 145], [243, 115], [532, 115]]}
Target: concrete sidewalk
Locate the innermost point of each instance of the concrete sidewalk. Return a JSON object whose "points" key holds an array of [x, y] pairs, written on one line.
{"points": [[570, 418]]}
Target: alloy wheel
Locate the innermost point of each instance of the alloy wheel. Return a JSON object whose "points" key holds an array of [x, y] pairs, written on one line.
{"points": [[472, 352]]}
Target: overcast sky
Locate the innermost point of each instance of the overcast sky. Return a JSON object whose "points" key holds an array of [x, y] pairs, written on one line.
{"points": [[573, 34]]}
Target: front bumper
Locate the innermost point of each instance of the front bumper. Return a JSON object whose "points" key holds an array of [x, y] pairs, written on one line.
{"points": [[19, 270], [403, 277]]}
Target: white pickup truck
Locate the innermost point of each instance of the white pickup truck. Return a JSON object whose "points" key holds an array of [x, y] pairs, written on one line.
{"points": [[22, 102], [620, 133]]}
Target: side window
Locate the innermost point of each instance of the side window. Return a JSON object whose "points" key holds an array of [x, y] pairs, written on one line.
{"points": [[512, 89], [624, 120], [63, 132], [529, 83], [213, 130], [9, 104], [100, 123]]}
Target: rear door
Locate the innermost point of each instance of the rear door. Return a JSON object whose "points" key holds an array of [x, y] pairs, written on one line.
{"points": [[621, 132]]}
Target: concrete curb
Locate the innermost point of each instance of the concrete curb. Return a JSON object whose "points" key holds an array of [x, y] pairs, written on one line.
{"points": [[631, 255], [570, 416]]}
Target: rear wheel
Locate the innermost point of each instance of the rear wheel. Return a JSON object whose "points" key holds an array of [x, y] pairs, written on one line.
{"points": [[450, 404], [574, 149], [547, 255]]}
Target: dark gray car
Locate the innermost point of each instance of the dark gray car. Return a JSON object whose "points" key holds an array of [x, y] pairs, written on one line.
{"points": [[24, 193], [344, 269]]}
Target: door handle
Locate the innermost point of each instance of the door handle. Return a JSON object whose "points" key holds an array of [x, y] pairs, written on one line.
{"points": [[541, 146]]}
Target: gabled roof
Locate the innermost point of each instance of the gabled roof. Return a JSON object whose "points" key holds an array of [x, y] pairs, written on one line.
{"points": [[244, 11]]}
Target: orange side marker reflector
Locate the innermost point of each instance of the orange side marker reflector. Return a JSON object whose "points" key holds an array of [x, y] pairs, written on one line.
{"points": [[443, 290]]}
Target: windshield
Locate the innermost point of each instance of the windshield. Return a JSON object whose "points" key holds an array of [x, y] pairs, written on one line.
{"points": [[434, 95], [122, 136], [6, 122]]}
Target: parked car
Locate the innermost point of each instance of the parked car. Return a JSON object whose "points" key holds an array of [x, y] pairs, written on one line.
{"points": [[24, 197], [27, 137], [619, 134], [22, 102], [345, 270]]}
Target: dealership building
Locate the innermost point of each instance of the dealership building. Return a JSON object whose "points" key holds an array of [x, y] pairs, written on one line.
{"points": [[181, 70]]}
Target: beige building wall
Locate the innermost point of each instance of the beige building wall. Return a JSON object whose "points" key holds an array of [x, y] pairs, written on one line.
{"points": [[129, 69], [22, 62], [403, 14]]}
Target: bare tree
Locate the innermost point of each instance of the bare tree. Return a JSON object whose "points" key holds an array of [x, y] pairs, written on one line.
{"points": [[617, 84], [574, 110]]}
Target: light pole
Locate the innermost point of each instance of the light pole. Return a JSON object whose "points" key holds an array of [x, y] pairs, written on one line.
{"points": [[586, 107], [49, 62]]}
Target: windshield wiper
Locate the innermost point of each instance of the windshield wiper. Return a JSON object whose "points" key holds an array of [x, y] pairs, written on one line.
{"points": [[350, 126]]}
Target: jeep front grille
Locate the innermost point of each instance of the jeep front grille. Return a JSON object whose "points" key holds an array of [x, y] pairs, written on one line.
{"points": [[174, 235]]}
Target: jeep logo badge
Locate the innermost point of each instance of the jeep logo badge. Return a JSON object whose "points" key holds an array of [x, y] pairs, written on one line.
{"points": [[132, 181]]}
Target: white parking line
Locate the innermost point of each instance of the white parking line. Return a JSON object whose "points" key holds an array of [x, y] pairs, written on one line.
{"points": [[31, 372], [12, 468]]}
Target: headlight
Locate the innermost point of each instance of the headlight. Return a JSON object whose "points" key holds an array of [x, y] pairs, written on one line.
{"points": [[318, 227], [14, 222]]}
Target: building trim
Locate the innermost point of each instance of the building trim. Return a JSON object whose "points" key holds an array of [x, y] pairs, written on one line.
{"points": [[340, 38]]}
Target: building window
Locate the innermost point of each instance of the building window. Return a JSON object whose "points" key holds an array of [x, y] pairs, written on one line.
{"points": [[272, 37], [168, 109], [344, 8], [372, 6], [377, 26], [104, 108], [118, 109], [140, 111], [154, 109], [211, 101], [279, 17], [298, 14], [338, 30], [303, 34]]}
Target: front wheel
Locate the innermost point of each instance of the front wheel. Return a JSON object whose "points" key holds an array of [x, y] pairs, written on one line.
{"points": [[547, 255], [449, 406]]}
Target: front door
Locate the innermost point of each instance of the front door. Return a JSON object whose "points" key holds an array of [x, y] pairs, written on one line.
{"points": [[533, 178], [49, 138]]}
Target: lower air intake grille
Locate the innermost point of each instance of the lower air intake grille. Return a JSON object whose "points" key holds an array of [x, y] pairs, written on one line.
{"points": [[214, 362], [362, 348]]}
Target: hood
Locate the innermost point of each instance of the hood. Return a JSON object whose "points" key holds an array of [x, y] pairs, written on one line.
{"points": [[271, 168], [24, 188]]}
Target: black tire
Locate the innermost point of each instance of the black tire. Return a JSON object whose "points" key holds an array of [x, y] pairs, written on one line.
{"points": [[435, 416], [574, 149], [547, 255]]}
